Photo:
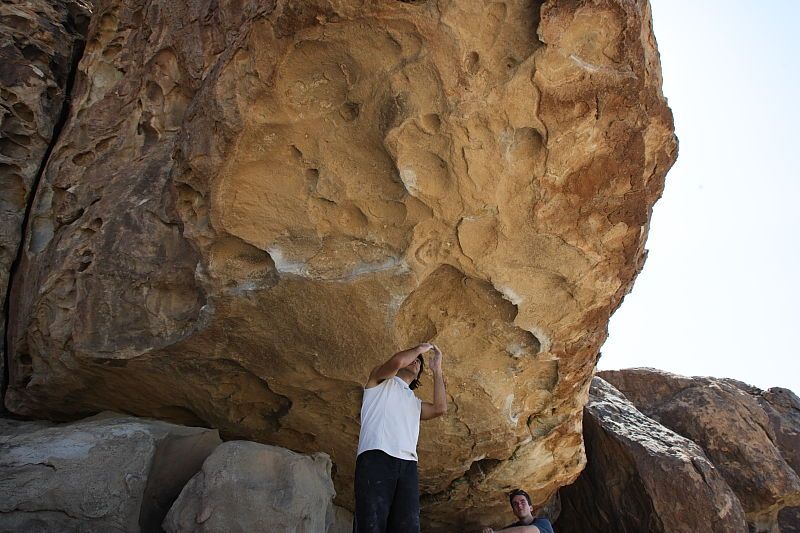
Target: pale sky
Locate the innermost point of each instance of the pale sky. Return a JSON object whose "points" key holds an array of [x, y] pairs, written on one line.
{"points": [[720, 291]]}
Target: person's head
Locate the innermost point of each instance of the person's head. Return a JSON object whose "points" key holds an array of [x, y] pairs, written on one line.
{"points": [[420, 363], [520, 503], [411, 372]]}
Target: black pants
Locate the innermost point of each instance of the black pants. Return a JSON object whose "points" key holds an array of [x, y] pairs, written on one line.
{"points": [[387, 494]]}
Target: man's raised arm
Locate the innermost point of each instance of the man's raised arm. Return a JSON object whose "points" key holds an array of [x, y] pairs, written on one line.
{"points": [[395, 363], [439, 405]]}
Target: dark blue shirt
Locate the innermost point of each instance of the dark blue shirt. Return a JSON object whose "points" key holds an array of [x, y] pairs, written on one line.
{"points": [[543, 524]]}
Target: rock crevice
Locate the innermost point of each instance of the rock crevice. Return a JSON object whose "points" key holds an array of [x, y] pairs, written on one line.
{"points": [[43, 63]]}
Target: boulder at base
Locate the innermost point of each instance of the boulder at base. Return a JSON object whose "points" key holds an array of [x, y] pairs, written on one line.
{"points": [[106, 473], [245, 486]]}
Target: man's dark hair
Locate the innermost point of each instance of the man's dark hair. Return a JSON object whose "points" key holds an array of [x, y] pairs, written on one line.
{"points": [[416, 383], [519, 492]]}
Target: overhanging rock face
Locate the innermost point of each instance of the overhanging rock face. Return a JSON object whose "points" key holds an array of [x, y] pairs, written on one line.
{"points": [[272, 199]]}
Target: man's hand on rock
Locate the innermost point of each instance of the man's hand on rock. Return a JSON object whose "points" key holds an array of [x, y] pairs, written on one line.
{"points": [[487, 530], [436, 360]]}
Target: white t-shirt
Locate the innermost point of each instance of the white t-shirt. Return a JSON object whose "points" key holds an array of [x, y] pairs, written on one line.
{"points": [[390, 419]]}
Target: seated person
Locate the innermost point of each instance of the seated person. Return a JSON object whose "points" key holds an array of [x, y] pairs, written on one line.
{"points": [[523, 510]]}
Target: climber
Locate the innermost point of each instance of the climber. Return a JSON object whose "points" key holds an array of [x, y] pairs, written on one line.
{"points": [[523, 510], [386, 482]]}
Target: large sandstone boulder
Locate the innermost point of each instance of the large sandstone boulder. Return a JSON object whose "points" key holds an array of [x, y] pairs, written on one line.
{"points": [[245, 487], [108, 473], [641, 476], [253, 203], [750, 435], [40, 45]]}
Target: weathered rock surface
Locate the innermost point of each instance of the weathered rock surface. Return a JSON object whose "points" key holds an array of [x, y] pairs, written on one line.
{"points": [[641, 476], [107, 473], [253, 203], [750, 435], [342, 520], [40, 44], [783, 409], [245, 486]]}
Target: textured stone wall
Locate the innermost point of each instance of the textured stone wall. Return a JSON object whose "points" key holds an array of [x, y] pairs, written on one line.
{"points": [[40, 45], [252, 204]]}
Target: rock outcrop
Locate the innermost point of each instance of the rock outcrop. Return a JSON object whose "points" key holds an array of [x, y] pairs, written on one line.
{"points": [[641, 476], [750, 435], [253, 203], [107, 473], [40, 45], [244, 486]]}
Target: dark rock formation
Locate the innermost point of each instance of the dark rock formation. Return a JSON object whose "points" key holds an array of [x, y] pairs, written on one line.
{"points": [[750, 435], [641, 476], [789, 520]]}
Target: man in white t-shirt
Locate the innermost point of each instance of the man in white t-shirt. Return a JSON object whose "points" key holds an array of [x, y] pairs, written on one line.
{"points": [[386, 481]]}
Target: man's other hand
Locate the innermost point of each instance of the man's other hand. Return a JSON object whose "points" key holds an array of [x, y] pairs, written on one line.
{"points": [[436, 361]]}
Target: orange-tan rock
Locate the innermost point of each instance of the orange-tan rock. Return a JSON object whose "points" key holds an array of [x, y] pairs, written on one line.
{"points": [[253, 204]]}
